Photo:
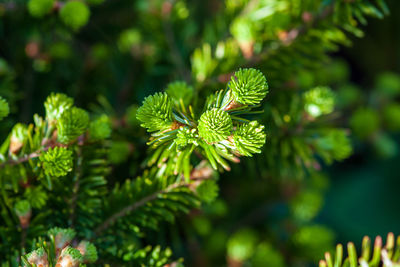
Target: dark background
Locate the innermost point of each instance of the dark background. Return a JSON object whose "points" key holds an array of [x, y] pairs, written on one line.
{"points": [[364, 196]]}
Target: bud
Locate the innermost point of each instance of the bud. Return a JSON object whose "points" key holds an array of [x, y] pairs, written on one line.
{"points": [[70, 257], [62, 237], [23, 210], [38, 257], [18, 136], [88, 251]]}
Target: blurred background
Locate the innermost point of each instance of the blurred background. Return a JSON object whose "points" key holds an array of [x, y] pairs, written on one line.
{"points": [[128, 50], [363, 194]]}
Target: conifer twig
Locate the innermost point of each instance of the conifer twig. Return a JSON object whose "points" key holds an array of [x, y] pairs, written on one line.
{"points": [[22, 159], [108, 222]]}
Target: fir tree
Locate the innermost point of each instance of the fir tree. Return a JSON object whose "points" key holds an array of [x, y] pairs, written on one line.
{"points": [[250, 79]]}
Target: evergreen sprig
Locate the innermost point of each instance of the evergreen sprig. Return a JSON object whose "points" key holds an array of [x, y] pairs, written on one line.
{"points": [[221, 132], [180, 91], [72, 123], [22, 208], [319, 101], [58, 251], [156, 112], [249, 138], [215, 125], [370, 255], [57, 161], [56, 104], [249, 86]]}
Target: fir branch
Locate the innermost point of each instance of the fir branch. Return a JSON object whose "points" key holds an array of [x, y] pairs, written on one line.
{"points": [[111, 220], [23, 159], [36, 154]]}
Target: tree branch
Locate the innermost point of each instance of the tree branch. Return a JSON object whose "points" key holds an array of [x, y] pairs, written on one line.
{"points": [[135, 206], [25, 158]]}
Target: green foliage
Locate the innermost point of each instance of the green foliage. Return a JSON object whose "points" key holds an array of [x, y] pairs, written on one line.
{"points": [[88, 250], [156, 112], [388, 84], [391, 116], [100, 128], [36, 196], [62, 237], [266, 255], [118, 152], [334, 145], [312, 241], [56, 253], [56, 104], [249, 138], [180, 91], [243, 30], [348, 95], [166, 199], [370, 255], [249, 86], [18, 138], [57, 161], [154, 257], [215, 125], [69, 169], [22, 208], [241, 245], [306, 205], [319, 101], [202, 62], [213, 134], [207, 191], [37, 257], [71, 255], [75, 14], [39, 8], [72, 123], [53, 253], [128, 39], [4, 109], [364, 122]]}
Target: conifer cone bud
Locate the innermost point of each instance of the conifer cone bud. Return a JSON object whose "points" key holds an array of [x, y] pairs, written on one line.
{"points": [[18, 136], [202, 171], [23, 211], [15, 145], [247, 48], [70, 257], [62, 237], [38, 257], [88, 251], [232, 105]]}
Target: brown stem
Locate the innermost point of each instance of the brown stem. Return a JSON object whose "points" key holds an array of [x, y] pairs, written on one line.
{"points": [[23, 237], [25, 158], [36, 154]]}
